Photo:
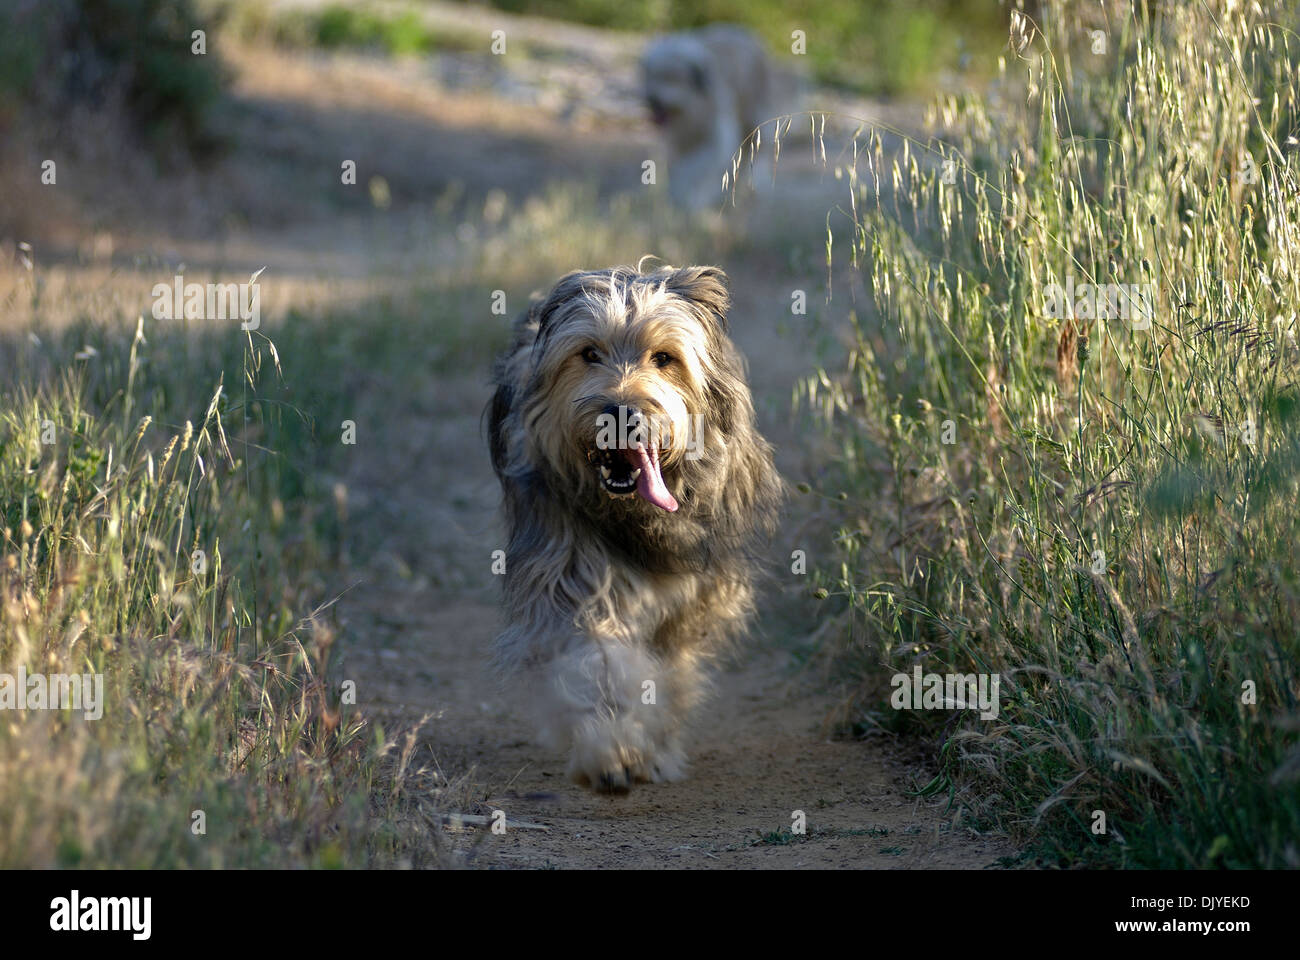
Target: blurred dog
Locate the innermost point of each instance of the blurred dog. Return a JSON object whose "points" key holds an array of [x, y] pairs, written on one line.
{"points": [[706, 90], [636, 485]]}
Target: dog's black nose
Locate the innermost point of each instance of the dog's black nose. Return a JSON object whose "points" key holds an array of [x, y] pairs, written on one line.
{"points": [[623, 413]]}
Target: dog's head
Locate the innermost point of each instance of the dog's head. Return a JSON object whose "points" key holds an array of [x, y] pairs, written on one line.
{"points": [[626, 395], [624, 361], [677, 77]]}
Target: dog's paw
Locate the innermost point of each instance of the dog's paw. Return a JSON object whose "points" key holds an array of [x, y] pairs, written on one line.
{"points": [[614, 781], [614, 768]]}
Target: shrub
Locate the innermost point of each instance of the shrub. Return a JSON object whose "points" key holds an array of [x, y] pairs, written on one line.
{"points": [[66, 52]]}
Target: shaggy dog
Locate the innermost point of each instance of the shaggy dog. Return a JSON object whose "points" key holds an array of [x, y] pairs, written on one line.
{"points": [[706, 90], [636, 485]]}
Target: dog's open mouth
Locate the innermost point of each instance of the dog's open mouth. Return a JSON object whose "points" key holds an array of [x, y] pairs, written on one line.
{"points": [[626, 473]]}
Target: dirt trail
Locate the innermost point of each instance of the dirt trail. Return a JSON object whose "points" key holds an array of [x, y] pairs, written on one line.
{"points": [[758, 751], [422, 607]]}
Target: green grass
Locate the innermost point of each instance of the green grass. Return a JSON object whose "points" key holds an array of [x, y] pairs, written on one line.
{"points": [[346, 27], [1112, 527]]}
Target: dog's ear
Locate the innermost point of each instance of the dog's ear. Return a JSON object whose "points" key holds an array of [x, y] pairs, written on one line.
{"points": [[543, 309], [705, 286], [497, 411]]}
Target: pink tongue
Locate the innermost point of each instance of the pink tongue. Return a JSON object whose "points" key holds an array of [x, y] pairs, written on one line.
{"points": [[650, 485]]}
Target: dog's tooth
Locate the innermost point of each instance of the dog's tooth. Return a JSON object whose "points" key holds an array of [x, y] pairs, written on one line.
{"points": [[636, 473], [604, 472]]}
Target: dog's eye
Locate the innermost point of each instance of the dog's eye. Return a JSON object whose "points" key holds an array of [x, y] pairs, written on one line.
{"points": [[661, 359], [590, 355]]}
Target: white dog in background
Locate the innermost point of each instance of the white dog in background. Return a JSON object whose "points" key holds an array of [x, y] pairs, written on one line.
{"points": [[707, 90]]}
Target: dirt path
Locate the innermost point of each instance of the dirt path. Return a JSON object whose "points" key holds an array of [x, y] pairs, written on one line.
{"points": [[759, 752], [758, 757]]}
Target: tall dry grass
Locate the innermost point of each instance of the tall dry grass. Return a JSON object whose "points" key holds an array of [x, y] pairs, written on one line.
{"points": [[160, 527], [1101, 511]]}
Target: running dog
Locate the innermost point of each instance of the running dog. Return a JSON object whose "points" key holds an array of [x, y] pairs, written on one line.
{"points": [[636, 491]]}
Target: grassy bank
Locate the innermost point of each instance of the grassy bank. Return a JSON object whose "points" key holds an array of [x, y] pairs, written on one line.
{"points": [[1101, 510], [171, 511]]}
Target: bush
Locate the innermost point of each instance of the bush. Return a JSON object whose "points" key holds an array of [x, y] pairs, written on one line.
{"points": [[64, 52]]}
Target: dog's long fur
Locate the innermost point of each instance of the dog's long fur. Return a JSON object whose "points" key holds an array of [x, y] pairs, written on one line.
{"points": [[604, 594], [707, 90]]}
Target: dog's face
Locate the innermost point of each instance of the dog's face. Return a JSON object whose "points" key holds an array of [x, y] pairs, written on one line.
{"points": [[623, 403], [676, 74], [623, 365]]}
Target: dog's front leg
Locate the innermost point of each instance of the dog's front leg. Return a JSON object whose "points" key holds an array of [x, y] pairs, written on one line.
{"points": [[603, 701]]}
